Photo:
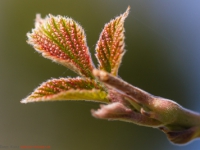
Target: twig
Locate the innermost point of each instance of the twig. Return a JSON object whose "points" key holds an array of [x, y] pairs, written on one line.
{"points": [[181, 125]]}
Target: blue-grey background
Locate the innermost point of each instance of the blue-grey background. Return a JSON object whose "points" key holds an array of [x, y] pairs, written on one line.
{"points": [[163, 57]]}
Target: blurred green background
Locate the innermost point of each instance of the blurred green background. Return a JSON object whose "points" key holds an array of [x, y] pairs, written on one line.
{"points": [[163, 57]]}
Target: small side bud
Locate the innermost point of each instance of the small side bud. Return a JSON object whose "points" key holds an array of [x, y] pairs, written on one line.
{"points": [[182, 136], [111, 111]]}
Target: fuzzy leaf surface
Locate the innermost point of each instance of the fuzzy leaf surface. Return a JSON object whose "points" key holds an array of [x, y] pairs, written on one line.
{"points": [[62, 40], [68, 89], [110, 46]]}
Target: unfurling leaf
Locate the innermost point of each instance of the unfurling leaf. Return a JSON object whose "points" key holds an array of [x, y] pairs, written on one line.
{"points": [[110, 47], [62, 40], [68, 89]]}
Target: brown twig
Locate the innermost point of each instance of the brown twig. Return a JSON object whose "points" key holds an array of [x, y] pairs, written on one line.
{"points": [[180, 125]]}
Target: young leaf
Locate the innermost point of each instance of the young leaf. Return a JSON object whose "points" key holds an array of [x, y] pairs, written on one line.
{"points": [[68, 89], [110, 47], [62, 40]]}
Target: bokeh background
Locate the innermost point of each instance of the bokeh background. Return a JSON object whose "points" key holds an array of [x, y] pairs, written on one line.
{"points": [[163, 57]]}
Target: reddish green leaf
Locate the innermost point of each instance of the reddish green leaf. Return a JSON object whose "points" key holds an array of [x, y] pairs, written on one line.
{"points": [[68, 89], [62, 40], [110, 47]]}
